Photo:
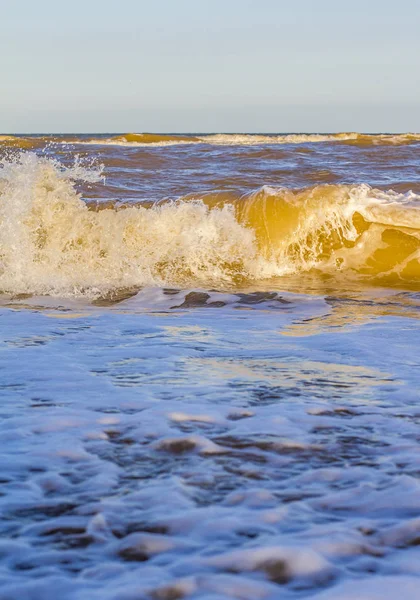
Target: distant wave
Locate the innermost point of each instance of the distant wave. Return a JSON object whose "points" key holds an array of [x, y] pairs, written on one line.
{"points": [[236, 139], [219, 139], [12, 141], [51, 242]]}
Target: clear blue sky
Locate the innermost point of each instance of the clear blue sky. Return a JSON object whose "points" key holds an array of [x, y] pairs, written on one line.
{"points": [[209, 65]]}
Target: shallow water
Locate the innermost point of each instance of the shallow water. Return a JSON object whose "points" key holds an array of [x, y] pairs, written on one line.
{"points": [[200, 427]]}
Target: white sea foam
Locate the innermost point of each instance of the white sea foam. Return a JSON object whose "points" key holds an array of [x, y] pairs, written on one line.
{"points": [[147, 451]]}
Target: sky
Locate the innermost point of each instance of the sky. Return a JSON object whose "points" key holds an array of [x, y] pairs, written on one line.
{"points": [[209, 66]]}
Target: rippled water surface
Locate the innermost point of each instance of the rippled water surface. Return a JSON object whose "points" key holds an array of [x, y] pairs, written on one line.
{"points": [[209, 368]]}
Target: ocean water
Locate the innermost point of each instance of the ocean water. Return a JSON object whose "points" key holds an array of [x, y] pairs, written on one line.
{"points": [[209, 367]]}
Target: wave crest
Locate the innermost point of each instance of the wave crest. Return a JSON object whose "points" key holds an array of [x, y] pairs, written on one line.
{"points": [[52, 243], [218, 139], [237, 139]]}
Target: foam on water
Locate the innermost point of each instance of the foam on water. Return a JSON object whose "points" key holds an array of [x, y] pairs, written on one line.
{"points": [[148, 452]]}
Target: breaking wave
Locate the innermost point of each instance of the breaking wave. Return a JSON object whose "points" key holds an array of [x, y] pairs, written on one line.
{"points": [[218, 139], [236, 139], [53, 242]]}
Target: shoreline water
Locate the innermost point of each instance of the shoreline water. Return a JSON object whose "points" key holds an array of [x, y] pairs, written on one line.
{"points": [[170, 430]]}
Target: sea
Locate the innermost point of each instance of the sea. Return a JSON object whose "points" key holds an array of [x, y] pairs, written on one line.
{"points": [[210, 366]]}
